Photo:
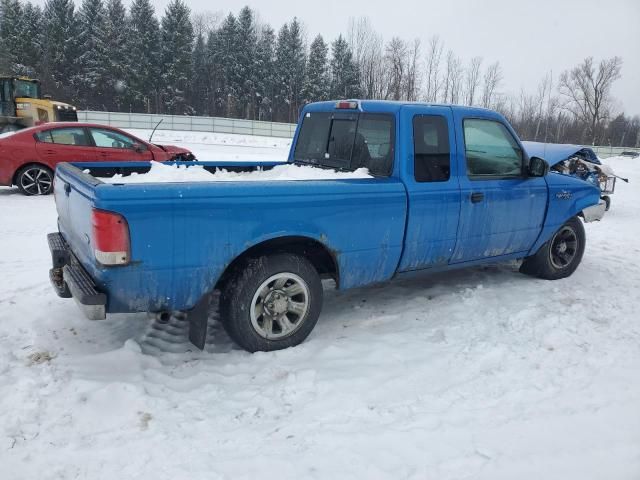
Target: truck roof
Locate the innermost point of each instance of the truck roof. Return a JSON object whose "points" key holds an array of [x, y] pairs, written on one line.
{"points": [[391, 106]]}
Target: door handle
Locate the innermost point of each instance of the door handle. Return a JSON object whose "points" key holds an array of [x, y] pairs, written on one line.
{"points": [[477, 197], [67, 188]]}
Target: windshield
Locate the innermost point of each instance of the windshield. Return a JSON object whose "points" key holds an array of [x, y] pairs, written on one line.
{"points": [[26, 89], [347, 141]]}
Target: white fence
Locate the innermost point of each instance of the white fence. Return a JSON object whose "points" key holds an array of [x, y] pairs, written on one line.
{"points": [[604, 152], [185, 123]]}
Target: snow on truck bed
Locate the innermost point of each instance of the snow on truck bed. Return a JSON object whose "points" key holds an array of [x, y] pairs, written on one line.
{"points": [[477, 374], [161, 173]]}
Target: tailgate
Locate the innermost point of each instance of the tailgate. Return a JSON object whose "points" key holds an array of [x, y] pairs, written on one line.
{"points": [[74, 193]]}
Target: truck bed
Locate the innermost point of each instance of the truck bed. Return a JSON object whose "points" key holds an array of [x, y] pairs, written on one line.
{"points": [[184, 235]]}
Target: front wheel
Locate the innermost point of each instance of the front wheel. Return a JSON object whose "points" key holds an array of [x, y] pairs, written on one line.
{"points": [[35, 180], [272, 302], [561, 255]]}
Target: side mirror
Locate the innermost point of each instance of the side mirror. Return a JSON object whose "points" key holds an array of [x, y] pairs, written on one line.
{"points": [[538, 167]]}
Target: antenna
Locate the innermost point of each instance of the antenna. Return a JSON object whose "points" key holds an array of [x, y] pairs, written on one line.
{"points": [[154, 129]]}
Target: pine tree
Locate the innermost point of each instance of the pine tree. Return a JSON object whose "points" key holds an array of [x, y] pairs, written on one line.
{"points": [[226, 55], [213, 62], [199, 77], [60, 48], [177, 46], [144, 65], [116, 28], [265, 75], [316, 84], [290, 65], [30, 51], [10, 33], [344, 72], [91, 78], [246, 52]]}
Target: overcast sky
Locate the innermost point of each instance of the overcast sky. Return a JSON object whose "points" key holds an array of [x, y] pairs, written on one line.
{"points": [[528, 38]]}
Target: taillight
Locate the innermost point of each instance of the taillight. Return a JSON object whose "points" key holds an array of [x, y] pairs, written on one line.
{"points": [[111, 242]]}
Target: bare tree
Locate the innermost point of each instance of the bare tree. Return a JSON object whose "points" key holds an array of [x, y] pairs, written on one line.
{"points": [[366, 46], [432, 71], [205, 22], [542, 100], [452, 83], [395, 66], [472, 80], [413, 72], [492, 80], [587, 90]]}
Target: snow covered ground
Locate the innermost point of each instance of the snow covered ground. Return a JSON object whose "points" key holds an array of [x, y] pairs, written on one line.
{"points": [[482, 374], [221, 146]]}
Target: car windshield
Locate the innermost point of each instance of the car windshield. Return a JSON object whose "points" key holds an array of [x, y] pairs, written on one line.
{"points": [[347, 141], [26, 89]]}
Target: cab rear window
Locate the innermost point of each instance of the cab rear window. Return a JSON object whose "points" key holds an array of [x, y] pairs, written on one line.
{"points": [[347, 141]]}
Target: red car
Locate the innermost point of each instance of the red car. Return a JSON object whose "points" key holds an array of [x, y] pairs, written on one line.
{"points": [[29, 157]]}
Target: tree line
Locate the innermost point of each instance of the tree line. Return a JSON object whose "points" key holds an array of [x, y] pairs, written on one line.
{"points": [[103, 56]]}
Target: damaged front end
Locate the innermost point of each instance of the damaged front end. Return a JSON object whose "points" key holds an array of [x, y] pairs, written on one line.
{"points": [[580, 162]]}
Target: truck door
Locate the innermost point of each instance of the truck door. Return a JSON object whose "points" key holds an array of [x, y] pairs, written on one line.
{"points": [[502, 208], [430, 174]]}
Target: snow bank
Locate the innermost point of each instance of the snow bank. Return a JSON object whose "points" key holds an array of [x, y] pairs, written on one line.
{"points": [[161, 173]]}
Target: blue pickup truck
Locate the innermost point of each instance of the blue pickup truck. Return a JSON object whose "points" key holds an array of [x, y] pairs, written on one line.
{"points": [[449, 187]]}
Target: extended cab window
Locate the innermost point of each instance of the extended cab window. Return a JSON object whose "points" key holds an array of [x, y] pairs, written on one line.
{"points": [[432, 159], [347, 141], [491, 150], [109, 139], [64, 136]]}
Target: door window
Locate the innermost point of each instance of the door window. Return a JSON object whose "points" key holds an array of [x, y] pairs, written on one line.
{"points": [[432, 158], [65, 136], [491, 150], [104, 138]]}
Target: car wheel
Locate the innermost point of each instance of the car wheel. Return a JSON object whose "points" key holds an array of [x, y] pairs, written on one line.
{"points": [[272, 302], [35, 180], [607, 201], [561, 255]]}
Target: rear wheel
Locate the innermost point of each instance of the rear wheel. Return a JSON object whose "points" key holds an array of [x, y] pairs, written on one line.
{"points": [[561, 255], [272, 302], [35, 180]]}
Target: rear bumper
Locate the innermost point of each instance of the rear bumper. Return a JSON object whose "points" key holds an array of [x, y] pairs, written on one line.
{"points": [[70, 279], [595, 212]]}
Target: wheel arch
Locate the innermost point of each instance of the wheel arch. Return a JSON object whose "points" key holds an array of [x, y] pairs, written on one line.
{"points": [[323, 259], [14, 178]]}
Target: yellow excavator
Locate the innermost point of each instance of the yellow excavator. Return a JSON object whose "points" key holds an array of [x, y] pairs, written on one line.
{"points": [[22, 105]]}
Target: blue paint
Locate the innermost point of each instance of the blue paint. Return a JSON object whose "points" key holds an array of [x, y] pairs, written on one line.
{"points": [[184, 235]]}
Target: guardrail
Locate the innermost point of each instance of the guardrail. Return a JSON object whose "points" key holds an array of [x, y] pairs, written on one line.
{"points": [[605, 152], [189, 123]]}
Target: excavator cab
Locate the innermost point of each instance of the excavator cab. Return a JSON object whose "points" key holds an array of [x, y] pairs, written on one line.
{"points": [[22, 105]]}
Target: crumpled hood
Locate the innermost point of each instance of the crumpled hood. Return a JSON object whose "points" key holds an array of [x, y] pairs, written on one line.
{"points": [[172, 149], [555, 153]]}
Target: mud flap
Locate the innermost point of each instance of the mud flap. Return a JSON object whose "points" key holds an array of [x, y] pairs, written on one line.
{"points": [[198, 318]]}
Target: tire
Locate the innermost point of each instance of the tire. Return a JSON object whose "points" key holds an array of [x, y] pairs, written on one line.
{"points": [[35, 180], [561, 255], [607, 201], [272, 302]]}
